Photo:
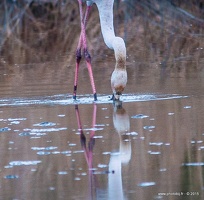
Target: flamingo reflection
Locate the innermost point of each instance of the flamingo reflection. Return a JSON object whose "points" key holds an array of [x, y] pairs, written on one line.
{"points": [[88, 152], [122, 156], [117, 158]]}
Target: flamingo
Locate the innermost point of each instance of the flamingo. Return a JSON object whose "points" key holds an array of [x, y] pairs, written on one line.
{"points": [[119, 75]]}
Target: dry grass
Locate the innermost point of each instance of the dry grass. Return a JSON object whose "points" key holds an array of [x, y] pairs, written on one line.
{"points": [[43, 30]]}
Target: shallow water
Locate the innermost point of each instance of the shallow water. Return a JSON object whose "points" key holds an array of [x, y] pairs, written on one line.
{"points": [[149, 147]]}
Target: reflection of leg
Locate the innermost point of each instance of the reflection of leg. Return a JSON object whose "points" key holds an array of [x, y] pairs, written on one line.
{"points": [[93, 120], [91, 144], [83, 140], [88, 152], [92, 139], [78, 118], [82, 136]]}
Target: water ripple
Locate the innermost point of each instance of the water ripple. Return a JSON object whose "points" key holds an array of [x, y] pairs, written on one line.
{"points": [[146, 184], [66, 99], [139, 116], [19, 163], [11, 176], [45, 130], [5, 129], [193, 164], [45, 124]]}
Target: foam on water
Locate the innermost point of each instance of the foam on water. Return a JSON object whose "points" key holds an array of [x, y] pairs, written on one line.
{"points": [[62, 172], [11, 176], [146, 184], [44, 148], [5, 129], [45, 130], [155, 143], [42, 153], [193, 164], [45, 124], [20, 163], [139, 116], [66, 99], [148, 127]]}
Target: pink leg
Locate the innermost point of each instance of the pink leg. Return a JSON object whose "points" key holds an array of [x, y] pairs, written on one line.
{"points": [[86, 53], [78, 53], [78, 59], [88, 63], [82, 42]]}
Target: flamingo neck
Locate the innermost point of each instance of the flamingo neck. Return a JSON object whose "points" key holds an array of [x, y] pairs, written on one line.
{"points": [[116, 43], [120, 53], [105, 9]]}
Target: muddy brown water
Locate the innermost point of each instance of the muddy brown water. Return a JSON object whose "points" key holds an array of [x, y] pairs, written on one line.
{"points": [[149, 148]]}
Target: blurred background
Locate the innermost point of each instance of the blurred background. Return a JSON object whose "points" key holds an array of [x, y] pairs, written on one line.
{"points": [[41, 30], [38, 41]]}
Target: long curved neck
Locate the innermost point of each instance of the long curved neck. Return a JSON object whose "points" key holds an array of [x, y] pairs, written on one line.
{"points": [[105, 8], [120, 52]]}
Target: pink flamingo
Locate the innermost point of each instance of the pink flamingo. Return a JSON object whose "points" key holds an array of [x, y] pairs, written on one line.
{"points": [[119, 75]]}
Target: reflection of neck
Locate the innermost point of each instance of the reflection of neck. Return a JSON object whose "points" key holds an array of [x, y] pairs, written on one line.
{"points": [[121, 123], [121, 120], [115, 187]]}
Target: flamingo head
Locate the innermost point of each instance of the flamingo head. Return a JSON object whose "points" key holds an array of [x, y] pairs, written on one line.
{"points": [[119, 75]]}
